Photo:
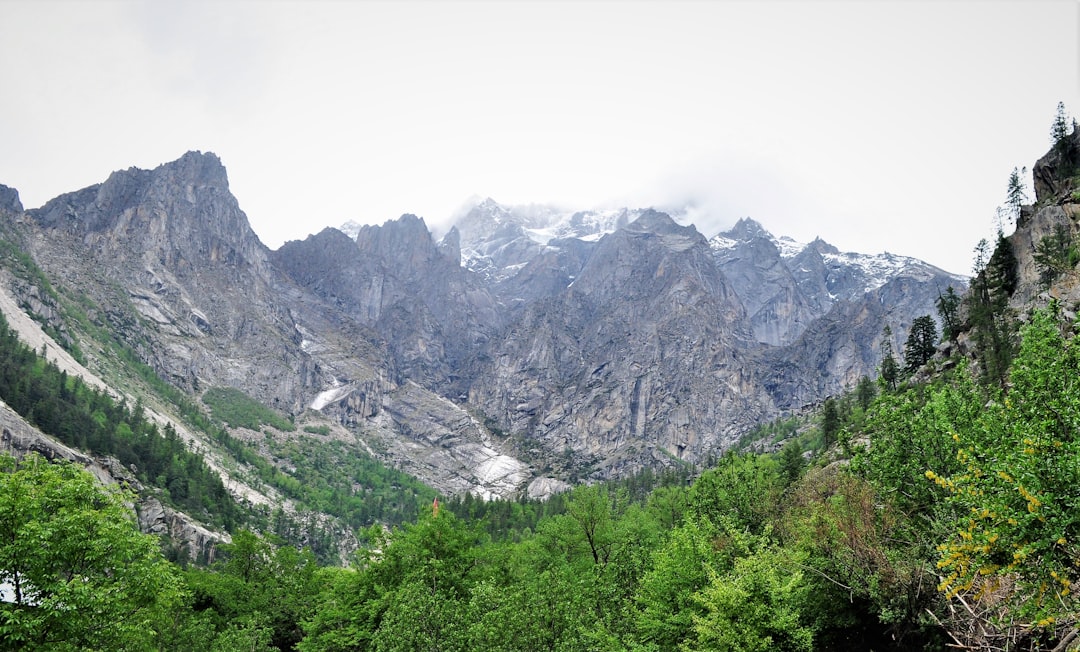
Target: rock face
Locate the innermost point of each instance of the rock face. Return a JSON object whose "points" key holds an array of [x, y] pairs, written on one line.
{"points": [[529, 347], [9, 200], [173, 244]]}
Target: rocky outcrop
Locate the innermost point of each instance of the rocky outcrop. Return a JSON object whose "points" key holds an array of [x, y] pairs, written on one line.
{"points": [[1053, 173], [9, 200]]}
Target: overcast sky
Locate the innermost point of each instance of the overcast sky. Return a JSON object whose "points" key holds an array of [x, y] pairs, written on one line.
{"points": [[879, 126]]}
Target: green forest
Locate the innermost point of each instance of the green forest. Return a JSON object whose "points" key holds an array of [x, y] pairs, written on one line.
{"points": [[946, 515]]}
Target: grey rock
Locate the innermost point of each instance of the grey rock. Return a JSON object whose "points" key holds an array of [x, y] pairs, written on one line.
{"points": [[9, 200]]}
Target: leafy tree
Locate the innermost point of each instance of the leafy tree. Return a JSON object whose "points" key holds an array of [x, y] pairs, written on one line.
{"points": [[680, 568], [920, 345], [757, 607], [82, 575], [409, 591], [864, 561], [743, 488]]}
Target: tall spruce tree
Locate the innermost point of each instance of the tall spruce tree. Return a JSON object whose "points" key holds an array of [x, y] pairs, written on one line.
{"points": [[890, 370], [991, 320], [920, 344], [948, 307]]}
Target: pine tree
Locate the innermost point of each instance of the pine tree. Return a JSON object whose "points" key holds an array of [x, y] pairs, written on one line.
{"points": [[948, 307], [991, 320], [1059, 129], [830, 422], [890, 370], [1016, 195], [919, 347]]}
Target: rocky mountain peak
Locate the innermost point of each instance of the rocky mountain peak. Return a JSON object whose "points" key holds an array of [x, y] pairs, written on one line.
{"points": [[747, 229], [450, 246], [9, 199], [405, 240], [200, 168], [821, 248]]}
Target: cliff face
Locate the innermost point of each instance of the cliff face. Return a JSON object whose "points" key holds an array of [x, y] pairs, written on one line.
{"points": [[528, 343], [173, 245], [1056, 212]]}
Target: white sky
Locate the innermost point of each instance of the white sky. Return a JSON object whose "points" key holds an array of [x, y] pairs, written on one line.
{"points": [[876, 125]]}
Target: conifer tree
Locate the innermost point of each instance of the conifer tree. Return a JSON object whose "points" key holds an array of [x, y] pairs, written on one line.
{"points": [[948, 307], [890, 370], [919, 347], [1016, 195]]}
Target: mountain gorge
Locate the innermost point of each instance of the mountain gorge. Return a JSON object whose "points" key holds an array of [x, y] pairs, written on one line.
{"points": [[527, 348]]}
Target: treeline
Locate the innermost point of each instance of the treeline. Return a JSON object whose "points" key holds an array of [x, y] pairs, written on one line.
{"points": [[90, 420], [516, 519]]}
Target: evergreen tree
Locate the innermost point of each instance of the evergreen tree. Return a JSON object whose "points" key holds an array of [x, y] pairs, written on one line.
{"points": [[1059, 129], [890, 370], [1016, 196], [948, 307], [1056, 254], [865, 392], [989, 315], [919, 347], [830, 422]]}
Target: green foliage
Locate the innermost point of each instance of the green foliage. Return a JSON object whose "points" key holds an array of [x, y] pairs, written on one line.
{"points": [[340, 479], [323, 430], [791, 462], [82, 575], [409, 592], [679, 569], [1017, 525], [238, 410], [257, 596], [862, 557], [744, 488], [757, 607], [865, 393], [1060, 128], [830, 422]]}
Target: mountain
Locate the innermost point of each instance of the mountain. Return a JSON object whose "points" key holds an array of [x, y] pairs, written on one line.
{"points": [[529, 347]]}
